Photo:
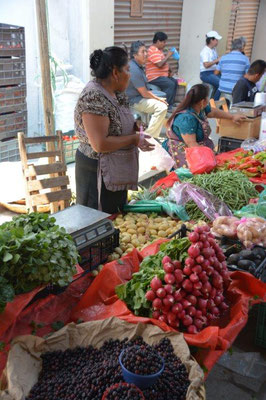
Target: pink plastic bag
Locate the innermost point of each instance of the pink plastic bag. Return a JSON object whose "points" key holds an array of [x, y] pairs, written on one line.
{"points": [[200, 159]]}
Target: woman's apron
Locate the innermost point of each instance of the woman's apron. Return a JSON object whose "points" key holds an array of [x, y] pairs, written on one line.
{"points": [[176, 147], [118, 169]]}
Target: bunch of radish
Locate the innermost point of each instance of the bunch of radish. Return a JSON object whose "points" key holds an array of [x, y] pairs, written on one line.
{"points": [[191, 296]]}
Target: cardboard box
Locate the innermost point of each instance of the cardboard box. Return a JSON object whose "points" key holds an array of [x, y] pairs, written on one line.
{"points": [[247, 129]]}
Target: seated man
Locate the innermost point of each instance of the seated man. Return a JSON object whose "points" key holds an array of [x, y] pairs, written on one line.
{"points": [[245, 88], [140, 97], [232, 67], [157, 69]]}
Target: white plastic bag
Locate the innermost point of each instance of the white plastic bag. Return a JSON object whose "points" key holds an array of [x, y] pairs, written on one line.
{"points": [[157, 159]]}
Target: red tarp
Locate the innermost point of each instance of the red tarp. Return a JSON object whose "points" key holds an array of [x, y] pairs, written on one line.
{"points": [[100, 302]]}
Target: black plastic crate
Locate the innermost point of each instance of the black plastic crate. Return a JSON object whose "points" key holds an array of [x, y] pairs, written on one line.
{"points": [[98, 252], [260, 338], [12, 123], [12, 71], [12, 40], [12, 98], [228, 144]]}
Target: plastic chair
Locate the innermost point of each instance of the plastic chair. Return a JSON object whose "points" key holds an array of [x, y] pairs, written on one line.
{"points": [[219, 104]]}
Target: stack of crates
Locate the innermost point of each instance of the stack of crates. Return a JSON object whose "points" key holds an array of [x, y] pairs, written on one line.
{"points": [[13, 108]]}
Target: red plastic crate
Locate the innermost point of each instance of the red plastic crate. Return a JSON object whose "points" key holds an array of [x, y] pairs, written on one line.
{"points": [[12, 71], [11, 124], [12, 98]]}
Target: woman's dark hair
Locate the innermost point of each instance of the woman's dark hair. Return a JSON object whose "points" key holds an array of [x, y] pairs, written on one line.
{"points": [[102, 62], [208, 39], [135, 46], [161, 36], [257, 67], [194, 95]]}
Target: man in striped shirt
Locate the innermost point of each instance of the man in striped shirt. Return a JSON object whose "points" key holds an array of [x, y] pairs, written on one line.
{"points": [[157, 68], [232, 67]]}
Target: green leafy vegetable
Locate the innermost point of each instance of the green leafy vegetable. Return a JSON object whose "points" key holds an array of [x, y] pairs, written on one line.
{"points": [[133, 292], [33, 252]]}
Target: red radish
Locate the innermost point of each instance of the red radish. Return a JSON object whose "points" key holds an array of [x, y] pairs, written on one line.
{"points": [[187, 285], [190, 262], [178, 275], [199, 229], [205, 264], [217, 300], [206, 287], [176, 308], [185, 303], [169, 288], [170, 298], [196, 292], [192, 329], [221, 256], [210, 317], [206, 244], [166, 259], [206, 228], [187, 320], [193, 237], [194, 251], [177, 323], [156, 283], [198, 323], [200, 245], [163, 318], [198, 314], [204, 312], [192, 299], [202, 303], [161, 293], [187, 270], [177, 264], [224, 264], [168, 268], [183, 293], [177, 295], [165, 308], [209, 271], [157, 304], [210, 304], [213, 292], [156, 314], [217, 282], [204, 319], [223, 306], [203, 276], [150, 295], [169, 278], [203, 237], [206, 252], [194, 278], [215, 311], [197, 269], [197, 285], [181, 314], [191, 311], [171, 317], [200, 259]]}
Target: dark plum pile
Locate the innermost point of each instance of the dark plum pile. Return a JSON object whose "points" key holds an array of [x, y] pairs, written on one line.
{"points": [[85, 373], [125, 392], [142, 360]]}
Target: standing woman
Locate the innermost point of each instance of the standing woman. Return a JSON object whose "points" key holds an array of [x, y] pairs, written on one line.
{"points": [[188, 126], [208, 60], [107, 157]]}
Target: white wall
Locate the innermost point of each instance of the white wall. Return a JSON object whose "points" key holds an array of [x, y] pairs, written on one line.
{"points": [[259, 47]]}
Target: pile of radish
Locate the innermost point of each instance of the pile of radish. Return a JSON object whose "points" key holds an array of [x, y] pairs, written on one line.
{"points": [[191, 296]]}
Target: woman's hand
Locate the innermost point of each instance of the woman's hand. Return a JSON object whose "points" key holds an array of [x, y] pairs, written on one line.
{"points": [[143, 143], [238, 118]]}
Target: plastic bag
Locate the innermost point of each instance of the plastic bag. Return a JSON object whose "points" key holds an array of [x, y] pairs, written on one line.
{"points": [[225, 226], [207, 203], [252, 231], [157, 158], [255, 145], [200, 159], [183, 173], [159, 205], [254, 210]]}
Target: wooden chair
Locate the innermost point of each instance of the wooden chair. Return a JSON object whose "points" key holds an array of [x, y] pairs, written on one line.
{"points": [[45, 183], [218, 104]]}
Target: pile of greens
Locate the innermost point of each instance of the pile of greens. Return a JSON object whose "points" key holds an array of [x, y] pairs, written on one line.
{"points": [[133, 292], [232, 187], [33, 252]]}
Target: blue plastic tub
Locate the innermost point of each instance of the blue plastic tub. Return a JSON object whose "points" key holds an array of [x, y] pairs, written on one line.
{"points": [[141, 381]]}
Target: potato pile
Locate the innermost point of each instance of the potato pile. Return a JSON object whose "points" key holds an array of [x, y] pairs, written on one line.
{"points": [[139, 230]]}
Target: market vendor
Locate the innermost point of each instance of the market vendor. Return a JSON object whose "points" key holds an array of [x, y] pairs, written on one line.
{"points": [[107, 157], [188, 125]]}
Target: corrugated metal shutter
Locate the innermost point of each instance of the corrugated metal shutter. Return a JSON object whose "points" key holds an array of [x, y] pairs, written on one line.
{"points": [[243, 21], [158, 15]]}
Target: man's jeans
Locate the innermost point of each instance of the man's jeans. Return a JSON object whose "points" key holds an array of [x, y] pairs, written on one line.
{"points": [[167, 85], [212, 79]]}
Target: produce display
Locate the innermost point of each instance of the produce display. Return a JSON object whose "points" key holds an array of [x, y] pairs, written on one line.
{"points": [[225, 226], [123, 391], [142, 360], [33, 252], [232, 187], [139, 230], [252, 165], [86, 373], [248, 260], [182, 285]]}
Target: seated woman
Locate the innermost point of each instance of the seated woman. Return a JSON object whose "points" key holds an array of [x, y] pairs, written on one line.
{"points": [[107, 157], [188, 126]]}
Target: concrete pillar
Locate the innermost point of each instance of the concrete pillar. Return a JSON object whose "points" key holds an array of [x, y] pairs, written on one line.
{"points": [[259, 48], [98, 28], [198, 18]]}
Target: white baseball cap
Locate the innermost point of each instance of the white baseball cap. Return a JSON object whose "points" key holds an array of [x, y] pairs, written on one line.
{"points": [[214, 34]]}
